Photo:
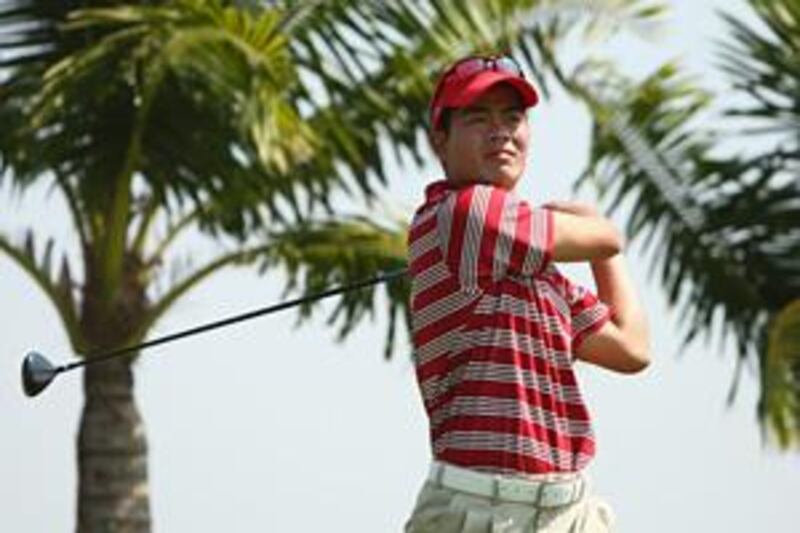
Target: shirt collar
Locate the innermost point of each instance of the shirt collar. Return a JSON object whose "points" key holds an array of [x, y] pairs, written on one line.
{"points": [[437, 190]]}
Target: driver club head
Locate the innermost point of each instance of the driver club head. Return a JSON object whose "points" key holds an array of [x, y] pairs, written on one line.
{"points": [[37, 373]]}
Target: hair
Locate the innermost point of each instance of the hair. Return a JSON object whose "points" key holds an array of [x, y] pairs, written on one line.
{"points": [[445, 120]]}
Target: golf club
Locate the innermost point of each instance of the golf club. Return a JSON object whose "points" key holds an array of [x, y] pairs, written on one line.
{"points": [[38, 372]]}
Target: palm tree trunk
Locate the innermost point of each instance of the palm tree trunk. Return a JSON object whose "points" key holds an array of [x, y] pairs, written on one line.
{"points": [[112, 454]]}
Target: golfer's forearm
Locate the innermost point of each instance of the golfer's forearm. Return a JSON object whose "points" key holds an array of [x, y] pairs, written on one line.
{"points": [[579, 237], [615, 289]]}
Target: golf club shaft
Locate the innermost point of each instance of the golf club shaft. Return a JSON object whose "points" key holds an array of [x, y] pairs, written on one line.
{"points": [[91, 359]]}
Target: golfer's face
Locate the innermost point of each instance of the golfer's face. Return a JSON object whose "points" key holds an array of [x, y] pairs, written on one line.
{"points": [[488, 141]]}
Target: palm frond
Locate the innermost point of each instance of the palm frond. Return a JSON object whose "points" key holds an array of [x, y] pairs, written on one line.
{"points": [[763, 68], [779, 405], [241, 113], [715, 239], [371, 64], [57, 285], [719, 225], [318, 255]]}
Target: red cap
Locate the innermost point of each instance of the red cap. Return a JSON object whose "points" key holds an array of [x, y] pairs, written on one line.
{"points": [[453, 90]]}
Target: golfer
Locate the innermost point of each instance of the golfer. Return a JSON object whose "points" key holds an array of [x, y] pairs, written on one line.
{"points": [[497, 329]]}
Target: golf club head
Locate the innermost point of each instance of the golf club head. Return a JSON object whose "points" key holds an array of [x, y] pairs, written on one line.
{"points": [[37, 373]]}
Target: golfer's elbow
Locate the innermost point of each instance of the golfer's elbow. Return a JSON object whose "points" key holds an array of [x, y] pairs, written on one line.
{"points": [[586, 238], [636, 362], [637, 355], [610, 242]]}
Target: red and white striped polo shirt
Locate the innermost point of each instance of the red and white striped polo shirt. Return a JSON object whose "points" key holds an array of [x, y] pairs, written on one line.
{"points": [[495, 326]]}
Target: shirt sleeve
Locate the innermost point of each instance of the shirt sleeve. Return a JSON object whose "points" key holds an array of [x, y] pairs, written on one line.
{"points": [[488, 234], [587, 312]]}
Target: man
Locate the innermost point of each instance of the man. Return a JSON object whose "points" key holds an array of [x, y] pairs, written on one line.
{"points": [[497, 328]]}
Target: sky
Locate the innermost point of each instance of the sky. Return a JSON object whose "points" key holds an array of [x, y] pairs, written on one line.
{"points": [[268, 427]]}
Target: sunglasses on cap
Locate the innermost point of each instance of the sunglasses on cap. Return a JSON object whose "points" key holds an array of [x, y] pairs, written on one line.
{"points": [[472, 65]]}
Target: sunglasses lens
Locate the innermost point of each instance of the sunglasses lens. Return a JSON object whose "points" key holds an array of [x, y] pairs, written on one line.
{"points": [[507, 64], [470, 67]]}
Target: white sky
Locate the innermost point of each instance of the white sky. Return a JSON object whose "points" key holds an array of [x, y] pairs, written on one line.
{"points": [[262, 427]]}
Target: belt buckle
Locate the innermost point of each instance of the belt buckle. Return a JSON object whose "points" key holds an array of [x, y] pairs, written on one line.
{"points": [[517, 490]]}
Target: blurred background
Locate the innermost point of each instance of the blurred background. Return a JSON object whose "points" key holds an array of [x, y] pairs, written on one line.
{"points": [[276, 425]]}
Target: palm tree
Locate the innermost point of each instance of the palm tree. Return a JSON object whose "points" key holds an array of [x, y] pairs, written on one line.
{"points": [[717, 206], [236, 121]]}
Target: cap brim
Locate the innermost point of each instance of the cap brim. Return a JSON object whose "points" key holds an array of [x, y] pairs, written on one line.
{"points": [[477, 85]]}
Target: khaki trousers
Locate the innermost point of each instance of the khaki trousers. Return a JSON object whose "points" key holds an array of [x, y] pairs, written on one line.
{"points": [[441, 509]]}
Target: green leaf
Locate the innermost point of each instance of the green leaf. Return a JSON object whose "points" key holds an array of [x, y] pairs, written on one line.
{"points": [[721, 198], [321, 254], [779, 405]]}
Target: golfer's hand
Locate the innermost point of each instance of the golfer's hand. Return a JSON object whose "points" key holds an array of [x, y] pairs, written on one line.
{"points": [[581, 209]]}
